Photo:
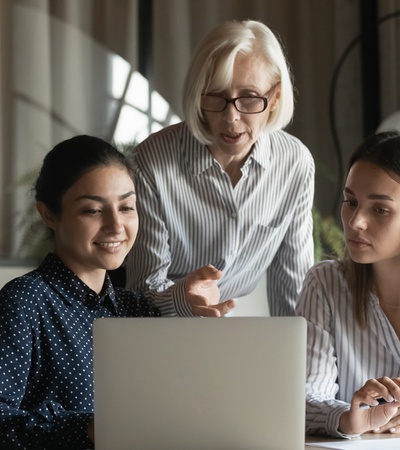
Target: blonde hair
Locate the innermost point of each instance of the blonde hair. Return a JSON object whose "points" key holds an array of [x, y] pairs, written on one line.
{"points": [[212, 68]]}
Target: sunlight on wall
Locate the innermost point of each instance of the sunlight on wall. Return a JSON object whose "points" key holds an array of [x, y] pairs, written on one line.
{"points": [[142, 111], [66, 83]]}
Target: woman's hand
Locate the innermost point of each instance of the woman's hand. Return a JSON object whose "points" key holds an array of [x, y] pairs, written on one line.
{"points": [[393, 426], [367, 413], [202, 293]]}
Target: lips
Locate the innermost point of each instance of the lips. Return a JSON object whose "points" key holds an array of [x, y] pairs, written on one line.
{"points": [[232, 137], [358, 243]]}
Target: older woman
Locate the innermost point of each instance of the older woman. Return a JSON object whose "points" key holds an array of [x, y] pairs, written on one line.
{"points": [[227, 186]]}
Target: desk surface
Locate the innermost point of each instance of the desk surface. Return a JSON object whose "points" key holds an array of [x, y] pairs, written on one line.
{"points": [[366, 436]]}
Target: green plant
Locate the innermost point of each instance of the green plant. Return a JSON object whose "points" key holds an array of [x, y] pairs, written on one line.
{"points": [[328, 237]]}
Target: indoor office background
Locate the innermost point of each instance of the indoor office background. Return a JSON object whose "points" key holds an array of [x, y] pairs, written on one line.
{"points": [[115, 69]]}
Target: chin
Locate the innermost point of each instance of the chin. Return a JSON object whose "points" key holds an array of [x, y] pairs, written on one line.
{"points": [[114, 263], [361, 260]]}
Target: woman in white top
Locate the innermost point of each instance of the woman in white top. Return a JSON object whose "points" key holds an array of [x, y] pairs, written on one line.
{"points": [[353, 305], [227, 186]]}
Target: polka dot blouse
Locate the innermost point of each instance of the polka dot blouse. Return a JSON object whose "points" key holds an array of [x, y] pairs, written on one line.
{"points": [[46, 355]]}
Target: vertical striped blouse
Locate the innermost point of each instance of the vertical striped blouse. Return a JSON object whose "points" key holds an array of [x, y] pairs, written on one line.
{"points": [[190, 215], [341, 355]]}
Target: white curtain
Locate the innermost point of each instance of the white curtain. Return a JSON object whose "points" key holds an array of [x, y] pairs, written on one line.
{"points": [[61, 81]]}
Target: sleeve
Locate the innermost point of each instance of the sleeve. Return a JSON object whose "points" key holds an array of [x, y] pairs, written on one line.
{"points": [[295, 255], [323, 410], [47, 425], [149, 261]]}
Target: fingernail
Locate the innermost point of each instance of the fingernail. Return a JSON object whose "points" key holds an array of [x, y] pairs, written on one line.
{"points": [[376, 430], [392, 430]]}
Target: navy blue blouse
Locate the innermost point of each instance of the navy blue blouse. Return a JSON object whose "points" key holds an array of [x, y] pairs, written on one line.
{"points": [[46, 355]]}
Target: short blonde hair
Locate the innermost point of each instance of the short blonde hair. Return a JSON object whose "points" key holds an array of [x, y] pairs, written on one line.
{"points": [[212, 68]]}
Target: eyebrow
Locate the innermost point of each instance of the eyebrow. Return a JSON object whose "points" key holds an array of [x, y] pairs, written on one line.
{"points": [[98, 198], [372, 196]]}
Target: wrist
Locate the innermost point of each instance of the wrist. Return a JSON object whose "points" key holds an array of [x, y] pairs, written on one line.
{"points": [[345, 426]]}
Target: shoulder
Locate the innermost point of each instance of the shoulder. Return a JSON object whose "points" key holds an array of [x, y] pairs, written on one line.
{"points": [[134, 304], [167, 137], [287, 153], [21, 284], [162, 149], [327, 279], [283, 141], [23, 291]]}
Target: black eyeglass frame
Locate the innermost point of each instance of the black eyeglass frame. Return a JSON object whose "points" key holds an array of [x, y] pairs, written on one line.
{"points": [[233, 101]]}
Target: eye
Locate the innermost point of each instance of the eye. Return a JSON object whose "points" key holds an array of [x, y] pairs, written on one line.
{"points": [[92, 211], [128, 207], [348, 202], [382, 211]]}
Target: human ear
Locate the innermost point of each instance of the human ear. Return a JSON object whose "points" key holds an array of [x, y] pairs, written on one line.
{"points": [[47, 216], [275, 98]]}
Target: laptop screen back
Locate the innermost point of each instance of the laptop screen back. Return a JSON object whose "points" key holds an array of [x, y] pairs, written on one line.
{"points": [[200, 383]]}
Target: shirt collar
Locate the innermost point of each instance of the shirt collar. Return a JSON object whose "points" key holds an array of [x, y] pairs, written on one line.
{"points": [[71, 287], [200, 159], [261, 153]]}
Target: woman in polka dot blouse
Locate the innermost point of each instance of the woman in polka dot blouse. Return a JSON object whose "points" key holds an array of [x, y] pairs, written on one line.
{"points": [[86, 196]]}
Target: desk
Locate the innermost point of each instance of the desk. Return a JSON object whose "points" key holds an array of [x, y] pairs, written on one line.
{"points": [[365, 436]]}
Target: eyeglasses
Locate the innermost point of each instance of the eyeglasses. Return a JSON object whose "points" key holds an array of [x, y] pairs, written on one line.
{"points": [[245, 105]]}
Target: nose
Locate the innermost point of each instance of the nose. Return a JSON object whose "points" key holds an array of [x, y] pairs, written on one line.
{"points": [[231, 114], [358, 220], [113, 223]]}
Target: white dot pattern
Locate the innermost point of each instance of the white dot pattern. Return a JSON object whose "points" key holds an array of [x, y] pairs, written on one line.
{"points": [[46, 355]]}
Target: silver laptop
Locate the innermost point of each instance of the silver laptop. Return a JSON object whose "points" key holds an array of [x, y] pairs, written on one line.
{"points": [[200, 383]]}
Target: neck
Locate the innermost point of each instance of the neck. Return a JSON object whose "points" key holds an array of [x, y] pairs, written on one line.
{"points": [[387, 288]]}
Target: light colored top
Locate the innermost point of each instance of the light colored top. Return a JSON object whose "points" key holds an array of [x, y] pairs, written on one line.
{"points": [[342, 356], [191, 215]]}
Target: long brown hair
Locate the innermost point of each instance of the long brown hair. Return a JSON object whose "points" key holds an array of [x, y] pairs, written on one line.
{"points": [[383, 150]]}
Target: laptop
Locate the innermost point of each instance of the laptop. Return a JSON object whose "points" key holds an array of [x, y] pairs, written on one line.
{"points": [[200, 383]]}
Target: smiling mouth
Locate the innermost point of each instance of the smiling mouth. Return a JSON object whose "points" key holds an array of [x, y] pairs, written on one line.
{"points": [[113, 244]]}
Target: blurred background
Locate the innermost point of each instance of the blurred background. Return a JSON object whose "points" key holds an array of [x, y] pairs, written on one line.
{"points": [[115, 69]]}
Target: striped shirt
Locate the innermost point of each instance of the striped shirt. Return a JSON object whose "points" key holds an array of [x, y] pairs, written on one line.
{"points": [[341, 355], [191, 215]]}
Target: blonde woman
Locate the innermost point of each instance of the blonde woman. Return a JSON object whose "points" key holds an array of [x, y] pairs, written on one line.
{"points": [[227, 186]]}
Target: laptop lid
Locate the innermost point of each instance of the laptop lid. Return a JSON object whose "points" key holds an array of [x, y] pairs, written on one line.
{"points": [[200, 383]]}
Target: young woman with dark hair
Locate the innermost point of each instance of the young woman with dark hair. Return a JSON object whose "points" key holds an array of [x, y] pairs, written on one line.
{"points": [[86, 196], [353, 305]]}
